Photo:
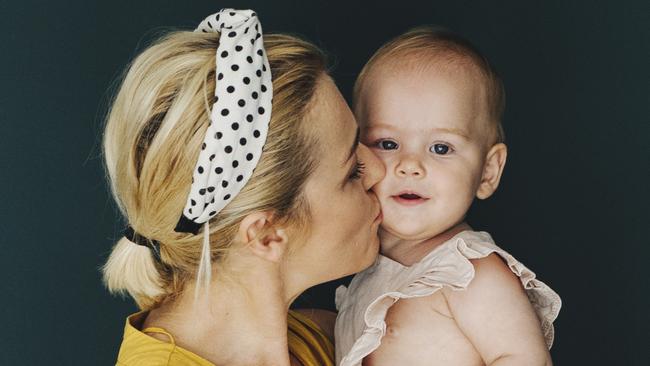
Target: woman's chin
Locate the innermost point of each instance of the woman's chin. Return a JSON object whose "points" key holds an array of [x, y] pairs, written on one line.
{"points": [[373, 251], [368, 259]]}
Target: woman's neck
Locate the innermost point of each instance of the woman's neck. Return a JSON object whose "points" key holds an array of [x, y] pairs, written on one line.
{"points": [[236, 323]]}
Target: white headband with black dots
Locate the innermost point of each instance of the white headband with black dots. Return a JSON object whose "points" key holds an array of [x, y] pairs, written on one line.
{"points": [[239, 119]]}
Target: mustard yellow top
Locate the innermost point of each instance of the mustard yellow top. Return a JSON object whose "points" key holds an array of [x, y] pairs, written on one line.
{"points": [[307, 342]]}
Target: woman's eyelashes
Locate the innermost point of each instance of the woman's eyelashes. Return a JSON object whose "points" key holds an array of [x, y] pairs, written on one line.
{"points": [[357, 172]]}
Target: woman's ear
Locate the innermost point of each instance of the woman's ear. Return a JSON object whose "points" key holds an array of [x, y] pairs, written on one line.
{"points": [[261, 237], [495, 161]]}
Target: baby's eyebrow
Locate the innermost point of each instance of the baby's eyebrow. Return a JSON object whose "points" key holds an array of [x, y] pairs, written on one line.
{"points": [[455, 131], [450, 130]]}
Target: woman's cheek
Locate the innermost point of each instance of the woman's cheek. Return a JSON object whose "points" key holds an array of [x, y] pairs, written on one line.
{"points": [[356, 215]]}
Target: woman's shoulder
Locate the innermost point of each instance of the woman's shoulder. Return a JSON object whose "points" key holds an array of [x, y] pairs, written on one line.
{"points": [[140, 347]]}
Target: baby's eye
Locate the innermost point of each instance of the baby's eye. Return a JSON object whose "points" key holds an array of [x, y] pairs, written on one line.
{"points": [[440, 149], [387, 144]]}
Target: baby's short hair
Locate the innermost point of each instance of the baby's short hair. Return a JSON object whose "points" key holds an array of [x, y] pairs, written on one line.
{"points": [[427, 44]]}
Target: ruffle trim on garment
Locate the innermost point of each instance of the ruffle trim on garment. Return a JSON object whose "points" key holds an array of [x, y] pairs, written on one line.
{"points": [[454, 271]]}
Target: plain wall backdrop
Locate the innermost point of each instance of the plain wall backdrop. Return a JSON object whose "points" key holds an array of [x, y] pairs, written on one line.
{"points": [[572, 204]]}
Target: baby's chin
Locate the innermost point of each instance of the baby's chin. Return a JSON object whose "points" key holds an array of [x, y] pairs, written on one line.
{"points": [[407, 231]]}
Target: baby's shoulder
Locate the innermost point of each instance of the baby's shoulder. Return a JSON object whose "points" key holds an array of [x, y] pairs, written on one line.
{"points": [[490, 277], [490, 273], [492, 267]]}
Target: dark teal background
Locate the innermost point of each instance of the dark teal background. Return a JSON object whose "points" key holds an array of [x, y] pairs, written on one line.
{"points": [[573, 204]]}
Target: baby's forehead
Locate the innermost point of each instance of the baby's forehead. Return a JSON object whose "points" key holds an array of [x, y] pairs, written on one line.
{"points": [[422, 87], [422, 66], [418, 57], [426, 100]]}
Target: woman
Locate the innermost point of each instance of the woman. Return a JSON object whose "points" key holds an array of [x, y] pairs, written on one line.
{"points": [[301, 215]]}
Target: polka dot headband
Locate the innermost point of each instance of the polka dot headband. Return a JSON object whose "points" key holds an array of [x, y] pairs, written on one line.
{"points": [[239, 118], [236, 133]]}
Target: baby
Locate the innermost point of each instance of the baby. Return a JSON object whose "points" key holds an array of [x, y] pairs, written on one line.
{"points": [[429, 106]]}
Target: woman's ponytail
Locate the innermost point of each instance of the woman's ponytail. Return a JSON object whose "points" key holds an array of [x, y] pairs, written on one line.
{"points": [[131, 269]]}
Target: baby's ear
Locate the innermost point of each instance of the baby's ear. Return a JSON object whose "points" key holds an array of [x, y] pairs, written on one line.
{"points": [[262, 237], [495, 160]]}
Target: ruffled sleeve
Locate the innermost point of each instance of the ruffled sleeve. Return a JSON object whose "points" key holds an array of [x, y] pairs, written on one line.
{"points": [[364, 305], [545, 301]]}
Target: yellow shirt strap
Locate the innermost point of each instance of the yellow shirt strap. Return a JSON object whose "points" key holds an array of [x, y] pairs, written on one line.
{"points": [[160, 331], [307, 341]]}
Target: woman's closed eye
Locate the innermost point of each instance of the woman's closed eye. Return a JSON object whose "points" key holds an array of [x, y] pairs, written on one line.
{"points": [[357, 172]]}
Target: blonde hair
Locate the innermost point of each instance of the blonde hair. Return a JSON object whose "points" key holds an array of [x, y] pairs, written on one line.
{"points": [[436, 45], [152, 139]]}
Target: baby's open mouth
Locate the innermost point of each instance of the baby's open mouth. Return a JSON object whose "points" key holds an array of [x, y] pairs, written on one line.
{"points": [[409, 198]]}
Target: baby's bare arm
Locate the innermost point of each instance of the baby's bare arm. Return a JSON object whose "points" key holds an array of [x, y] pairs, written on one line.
{"points": [[496, 316]]}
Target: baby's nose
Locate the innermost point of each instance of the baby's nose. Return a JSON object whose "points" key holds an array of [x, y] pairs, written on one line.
{"points": [[410, 167]]}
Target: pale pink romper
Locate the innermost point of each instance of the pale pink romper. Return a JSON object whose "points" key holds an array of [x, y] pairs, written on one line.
{"points": [[363, 305]]}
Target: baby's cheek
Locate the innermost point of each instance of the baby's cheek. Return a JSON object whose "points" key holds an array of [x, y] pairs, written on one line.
{"points": [[461, 178], [380, 188], [459, 199]]}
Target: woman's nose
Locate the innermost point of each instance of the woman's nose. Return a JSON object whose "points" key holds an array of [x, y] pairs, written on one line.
{"points": [[409, 166], [374, 169]]}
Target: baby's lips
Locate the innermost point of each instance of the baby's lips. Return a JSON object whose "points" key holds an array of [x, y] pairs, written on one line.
{"points": [[410, 194]]}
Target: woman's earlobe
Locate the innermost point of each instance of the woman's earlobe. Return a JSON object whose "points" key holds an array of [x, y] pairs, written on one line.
{"points": [[262, 238], [495, 161]]}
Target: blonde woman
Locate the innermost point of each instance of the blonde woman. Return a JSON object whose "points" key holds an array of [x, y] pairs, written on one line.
{"points": [[215, 278]]}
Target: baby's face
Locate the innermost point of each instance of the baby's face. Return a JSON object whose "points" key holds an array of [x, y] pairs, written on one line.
{"points": [[429, 129]]}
